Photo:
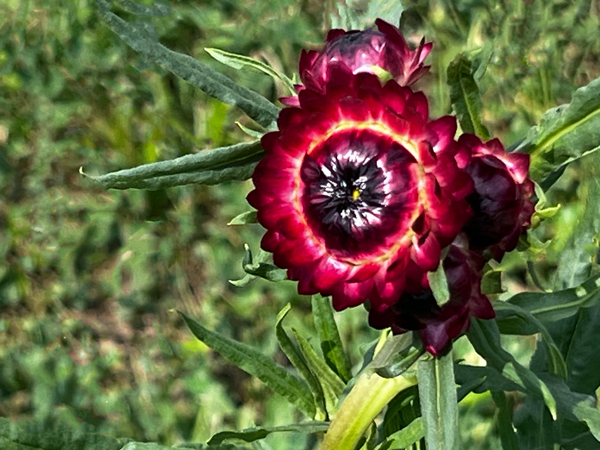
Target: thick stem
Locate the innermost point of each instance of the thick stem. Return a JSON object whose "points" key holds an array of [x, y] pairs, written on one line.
{"points": [[368, 397]]}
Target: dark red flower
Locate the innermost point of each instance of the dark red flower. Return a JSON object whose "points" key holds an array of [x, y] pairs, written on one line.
{"points": [[500, 200], [358, 189], [370, 51], [438, 325]]}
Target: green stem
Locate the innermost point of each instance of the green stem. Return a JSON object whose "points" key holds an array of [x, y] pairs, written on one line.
{"points": [[368, 397]]}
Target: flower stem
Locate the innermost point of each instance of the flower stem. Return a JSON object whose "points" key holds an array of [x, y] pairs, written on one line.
{"points": [[368, 397]]}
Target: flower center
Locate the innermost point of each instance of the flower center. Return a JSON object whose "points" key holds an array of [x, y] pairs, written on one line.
{"points": [[347, 192], [359, 188]]}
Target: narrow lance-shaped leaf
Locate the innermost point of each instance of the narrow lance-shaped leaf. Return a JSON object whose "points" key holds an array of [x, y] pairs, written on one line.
{"points": [[158, 9], [437, 394], [153, 446], [577, 258], [512, 319], [464, 95], [554, 306], [508, 437], [143, 38], [254, 434], [299, 362], [295, 390], [331, 343], [239, 61], [485, 338], [332, 385], [244, 218], [34, 435], [235, 162], [564, 134], [405, 437]]}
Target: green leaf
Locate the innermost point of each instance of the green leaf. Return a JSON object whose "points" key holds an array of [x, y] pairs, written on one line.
{"points": [[400, 412], [244, 218], [332, 385], [250, 132], [439, 285], [35, 436], [512, 319], [491, 282], [482, 60], [239, 62], [576, 337], [142, 37], [153, 446], [464, 95], [485, 338], [564, 134], [437, 394], [577, 415], [158, 9], [299, 362], [553, 306], [235, 162], [331, 343], [260, 268], [530, 381], [348, 18], [591, 416], [253, 434], [405, 437], [295, 390], [576, 259], [400, 362], [480, 379], [508, 436], [390, 11], [358, 17]]}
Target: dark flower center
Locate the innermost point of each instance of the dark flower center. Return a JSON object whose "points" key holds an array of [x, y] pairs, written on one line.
{"points": [[357, 189], [347, 194]]}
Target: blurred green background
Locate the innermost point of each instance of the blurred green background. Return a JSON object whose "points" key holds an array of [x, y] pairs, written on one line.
{"points": [[89, 278]]}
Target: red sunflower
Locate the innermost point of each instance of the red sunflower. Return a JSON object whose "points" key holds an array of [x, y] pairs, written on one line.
{"points": [[358, 190]]}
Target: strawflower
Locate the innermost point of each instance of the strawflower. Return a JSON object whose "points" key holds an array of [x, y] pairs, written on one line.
{"points": [[501, 198], [438, 325], [382, 51], [359, 191]]}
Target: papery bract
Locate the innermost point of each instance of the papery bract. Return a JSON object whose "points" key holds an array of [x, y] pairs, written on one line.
{"points": [[501, 197], [438, 325], [358, 190], [370, 51]]}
